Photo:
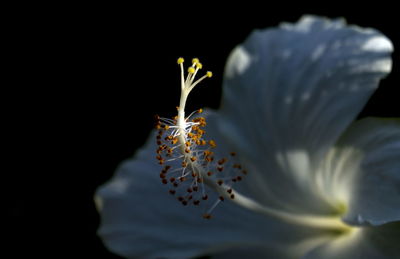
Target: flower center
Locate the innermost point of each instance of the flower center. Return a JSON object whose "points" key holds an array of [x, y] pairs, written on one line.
{"points": [[188, 158]]}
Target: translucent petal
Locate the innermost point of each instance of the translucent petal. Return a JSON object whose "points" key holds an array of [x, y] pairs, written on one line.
{"points": [[289, 93], [363, 171], [367, 243], [140, 219]]}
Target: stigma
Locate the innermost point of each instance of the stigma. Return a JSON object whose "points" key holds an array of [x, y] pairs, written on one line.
{"points": [[190, 166]]}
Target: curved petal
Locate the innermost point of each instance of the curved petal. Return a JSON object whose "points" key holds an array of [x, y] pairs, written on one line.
{"points": [[140, 219], [364, 172], [366, 243], [293, 90]]}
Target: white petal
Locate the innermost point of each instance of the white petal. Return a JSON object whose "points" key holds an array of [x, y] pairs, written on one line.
{"points": [[290, 92], [364, 172], [366, 243], [140, 219]]}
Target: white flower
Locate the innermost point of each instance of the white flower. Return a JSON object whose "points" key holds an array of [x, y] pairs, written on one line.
{"points": [[319, 185]]}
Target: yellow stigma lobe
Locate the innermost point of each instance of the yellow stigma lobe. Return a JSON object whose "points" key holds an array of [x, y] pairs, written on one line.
{"points": [[180, 61]]}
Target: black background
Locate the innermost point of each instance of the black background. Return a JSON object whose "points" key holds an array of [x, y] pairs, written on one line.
{"points": [[85, 84]]}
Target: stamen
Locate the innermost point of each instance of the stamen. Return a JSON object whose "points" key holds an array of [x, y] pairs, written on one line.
{"points": [[188, 164]]}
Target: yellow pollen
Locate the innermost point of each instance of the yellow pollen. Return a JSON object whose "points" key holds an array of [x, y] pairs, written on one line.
{"points": [[212, 143], [199, 65], [209, 74], [195, 60]]}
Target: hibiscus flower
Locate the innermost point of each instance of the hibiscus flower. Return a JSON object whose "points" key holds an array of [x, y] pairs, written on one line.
{"points": [[287, 170]]}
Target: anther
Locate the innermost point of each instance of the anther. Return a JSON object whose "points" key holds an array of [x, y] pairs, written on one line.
{"points": [[212, 143], [222, 161], [208, 153], [172, 192], [196, 202], [191, 70], [221, 198], [238, 166], [206, 216], [209, 74]]}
